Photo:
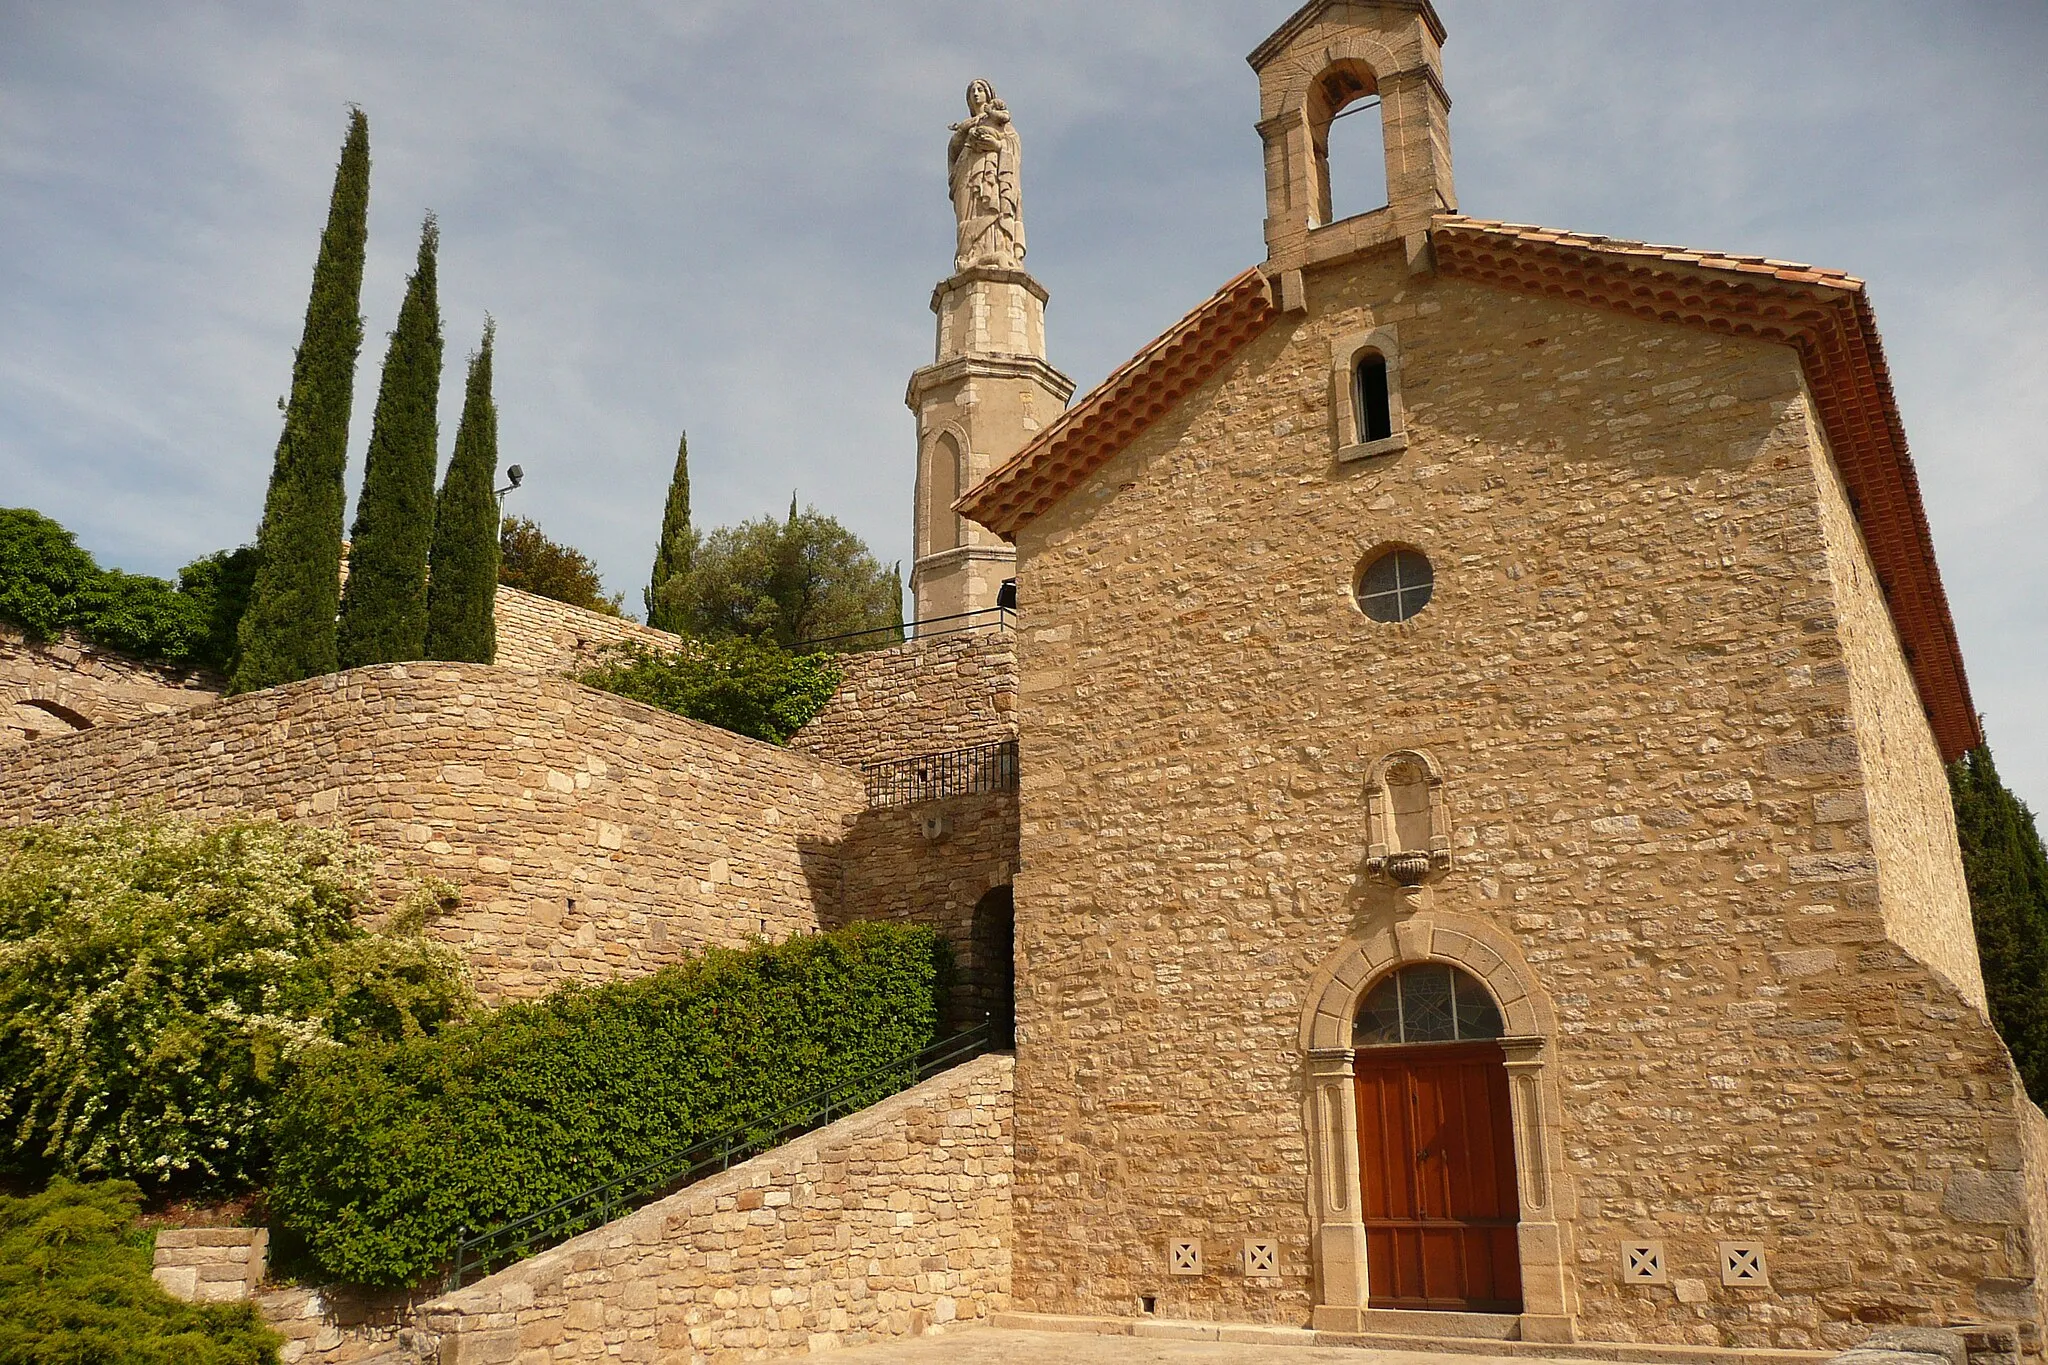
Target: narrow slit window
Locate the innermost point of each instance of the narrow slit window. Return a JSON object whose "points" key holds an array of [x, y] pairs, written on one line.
{"points": [[1369, 396]]}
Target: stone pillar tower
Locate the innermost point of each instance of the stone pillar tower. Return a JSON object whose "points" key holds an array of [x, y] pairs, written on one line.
{"points": [[988, 390]]}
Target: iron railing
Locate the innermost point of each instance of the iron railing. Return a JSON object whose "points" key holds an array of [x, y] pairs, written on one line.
{"points": [[988, 618], [486, 1251], [958, 772]]}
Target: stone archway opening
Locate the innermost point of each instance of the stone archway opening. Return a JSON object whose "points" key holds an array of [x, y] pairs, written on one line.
{"points": [[33, 718], [992, 974]]}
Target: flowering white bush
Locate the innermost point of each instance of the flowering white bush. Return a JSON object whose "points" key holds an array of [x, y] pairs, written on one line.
{"points": [[158, 977]]}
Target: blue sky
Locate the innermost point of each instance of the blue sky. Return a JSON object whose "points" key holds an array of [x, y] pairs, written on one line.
{"points": [[728, 217]]}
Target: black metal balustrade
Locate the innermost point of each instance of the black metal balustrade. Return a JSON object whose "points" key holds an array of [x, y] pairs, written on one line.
{"points": [[479, 1255], [958, 772]]}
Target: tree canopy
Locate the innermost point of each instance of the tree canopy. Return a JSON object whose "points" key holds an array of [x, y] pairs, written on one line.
{"points": [[676, 548], [2007, 873], [462, 579], [530, 562], [799, 580]]}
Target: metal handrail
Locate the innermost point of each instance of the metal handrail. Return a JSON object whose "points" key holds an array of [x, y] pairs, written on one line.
{"points": [[927, 777], [601, 1203], [916, 629]]}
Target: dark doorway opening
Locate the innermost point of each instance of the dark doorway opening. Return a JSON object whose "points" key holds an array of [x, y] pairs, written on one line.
{"points": [[993, 972]]}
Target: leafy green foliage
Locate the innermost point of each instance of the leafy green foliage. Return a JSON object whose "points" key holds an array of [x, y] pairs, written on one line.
{"points": [[530, 562], [42, 571], [676, 548], [462, 580], [751, 687], [288, 631], [2007, 872], [385, 1152], [158, 978], [384, 604], [220, 583], [49, 584], [75, 1290], [802, 579]]}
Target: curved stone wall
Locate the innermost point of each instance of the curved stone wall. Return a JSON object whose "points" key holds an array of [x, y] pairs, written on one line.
{"points": [[591, 836]]}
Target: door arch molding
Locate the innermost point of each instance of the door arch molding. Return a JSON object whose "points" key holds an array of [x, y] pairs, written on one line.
{"points": [[1337, 1237]]}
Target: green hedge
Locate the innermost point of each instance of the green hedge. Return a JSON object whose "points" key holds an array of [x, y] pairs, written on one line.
{"points": [[385, 1152], [75, 1287]]}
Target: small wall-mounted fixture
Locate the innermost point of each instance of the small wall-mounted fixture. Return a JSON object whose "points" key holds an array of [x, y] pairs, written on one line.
{"points": [[1184, 1256], [1743, 1265], [935, 827], [1643, 1263]]}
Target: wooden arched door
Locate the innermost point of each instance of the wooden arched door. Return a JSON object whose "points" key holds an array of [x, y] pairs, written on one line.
{"points": [[1436, 1146]]}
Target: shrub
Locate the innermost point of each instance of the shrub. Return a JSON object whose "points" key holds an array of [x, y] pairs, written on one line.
{"points": [[75, 1287], [140, 615], [41, 571], [157, 977], [385, 1152], [220, 583], [749, 686]]}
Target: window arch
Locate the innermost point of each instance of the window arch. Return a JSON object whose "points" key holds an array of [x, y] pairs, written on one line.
{"points": [[1426, 1002], [942, 477], [1365, 397], [1370, 397]]}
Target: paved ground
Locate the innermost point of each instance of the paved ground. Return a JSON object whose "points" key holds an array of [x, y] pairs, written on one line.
{"points": [[999, 1346]]}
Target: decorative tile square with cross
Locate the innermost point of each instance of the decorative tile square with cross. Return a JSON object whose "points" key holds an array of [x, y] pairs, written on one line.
{"points": [[1261, 1257], [1184, 1256], [1642, 1263], [1742, 1265]]}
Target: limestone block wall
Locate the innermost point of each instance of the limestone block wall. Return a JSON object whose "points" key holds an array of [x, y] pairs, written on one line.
{"points": [[554, 637], [883, 1225], [590, 836], [211, 1265], [52, 687], [920, 697], [1637, 678]]}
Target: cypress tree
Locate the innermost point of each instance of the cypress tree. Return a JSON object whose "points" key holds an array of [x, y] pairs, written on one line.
{"points": [[672, 553], [384, 605], [2007, 873], [288, 631], [462, 574]]}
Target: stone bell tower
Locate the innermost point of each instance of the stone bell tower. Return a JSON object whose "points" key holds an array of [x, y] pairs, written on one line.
{"points": [[988, 390]]}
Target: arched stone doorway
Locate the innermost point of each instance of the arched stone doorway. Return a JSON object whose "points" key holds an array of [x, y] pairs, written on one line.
{"points": [[32, 718], [1436, 1156], [993, 972], [1338, 991]]}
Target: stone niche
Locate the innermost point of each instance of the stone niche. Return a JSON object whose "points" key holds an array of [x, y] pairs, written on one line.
{"points": [[1408, 824]]}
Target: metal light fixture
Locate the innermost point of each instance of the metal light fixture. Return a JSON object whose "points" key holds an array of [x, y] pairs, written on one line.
{"points": [[515, 474]]}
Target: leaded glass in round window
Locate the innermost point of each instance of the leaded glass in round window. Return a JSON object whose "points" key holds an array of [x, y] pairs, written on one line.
{"points": [[1395, 586], [1432, 1002]]}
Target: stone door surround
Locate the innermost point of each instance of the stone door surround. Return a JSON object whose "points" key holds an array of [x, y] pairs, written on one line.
{"points": [[1337, 1229]]}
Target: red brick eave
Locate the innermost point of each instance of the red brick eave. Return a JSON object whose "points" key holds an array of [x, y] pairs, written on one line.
{"points": [[1141, 391], [1824, 315]]}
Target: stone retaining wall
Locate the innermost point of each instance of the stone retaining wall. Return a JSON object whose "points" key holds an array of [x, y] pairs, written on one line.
{"points": [[885, 1224], [211, 1265], [591, 836], [554, 637], [923, 697], [52, 687]]}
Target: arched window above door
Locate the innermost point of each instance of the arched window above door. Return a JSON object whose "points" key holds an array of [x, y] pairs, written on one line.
{"points": [[1429, 1002]]}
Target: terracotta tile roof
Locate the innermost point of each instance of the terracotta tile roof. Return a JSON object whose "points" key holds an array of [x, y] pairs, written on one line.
{"points": [[1140, 391], [1826, 316]]}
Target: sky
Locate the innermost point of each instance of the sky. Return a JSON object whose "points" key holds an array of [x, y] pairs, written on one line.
{"points": [[727, 217]]}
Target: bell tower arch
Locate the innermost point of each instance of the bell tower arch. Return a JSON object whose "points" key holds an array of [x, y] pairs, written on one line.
{"points": [[988, 390], [1329, 61]]}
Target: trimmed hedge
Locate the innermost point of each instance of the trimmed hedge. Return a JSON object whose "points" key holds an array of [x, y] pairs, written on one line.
{"points": [[752, 687], [385, 1152]]}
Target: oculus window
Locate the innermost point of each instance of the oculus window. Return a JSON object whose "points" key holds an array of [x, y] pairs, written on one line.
{"points": [[1395, 585]]}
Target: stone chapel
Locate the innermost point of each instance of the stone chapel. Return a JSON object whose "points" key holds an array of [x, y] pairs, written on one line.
{"points": [[1485, 851], [1458, 807]]}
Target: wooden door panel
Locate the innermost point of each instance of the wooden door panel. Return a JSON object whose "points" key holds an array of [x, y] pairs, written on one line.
{"points": [[1437, 1175]]}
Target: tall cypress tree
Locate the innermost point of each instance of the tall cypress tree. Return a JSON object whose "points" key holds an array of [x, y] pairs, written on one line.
{"points": [[384, 606], [462, 573], [2007, 873], [672, 554], [288, 631]]}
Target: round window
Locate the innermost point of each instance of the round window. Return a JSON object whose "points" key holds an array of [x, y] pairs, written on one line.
{"points": [[1395, 585], [1431, 1002]]}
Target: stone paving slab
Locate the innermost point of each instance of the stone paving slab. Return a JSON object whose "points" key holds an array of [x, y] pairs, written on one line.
{"points": [[1005, 1346]]}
